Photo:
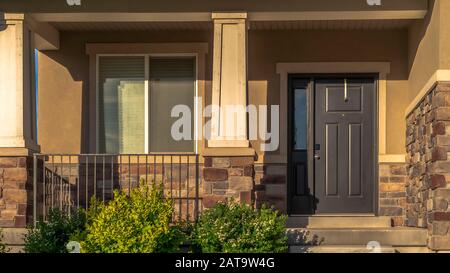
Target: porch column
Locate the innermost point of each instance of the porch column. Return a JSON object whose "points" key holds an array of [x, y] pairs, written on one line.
{"points": [[17, 119], [228, 172], [17, 86], [229, 86]]}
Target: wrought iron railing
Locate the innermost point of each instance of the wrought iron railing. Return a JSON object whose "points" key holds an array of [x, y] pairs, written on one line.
{"points": [[69, 181]]}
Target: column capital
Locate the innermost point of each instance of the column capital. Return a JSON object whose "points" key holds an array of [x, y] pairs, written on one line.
{"points": [[229, 16], [12, 18]]}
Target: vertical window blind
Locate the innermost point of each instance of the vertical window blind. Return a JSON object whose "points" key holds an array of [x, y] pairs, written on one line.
{"points": [[122, 103], [172, 82]]}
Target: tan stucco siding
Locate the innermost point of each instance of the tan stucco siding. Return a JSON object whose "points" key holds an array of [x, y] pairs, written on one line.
{"points": [[62, 81], [64, 84], [266, 48], [429, 51], [423, 50], [444, 34]]}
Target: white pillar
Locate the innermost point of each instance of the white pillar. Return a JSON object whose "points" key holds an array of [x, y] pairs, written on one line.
{"points": [[229, 87], [17, 84]]}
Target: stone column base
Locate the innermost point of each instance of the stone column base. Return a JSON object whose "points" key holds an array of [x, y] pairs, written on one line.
{"points": [[392, 194], [428, 186], [271, 186], [228, 178], [15, 191]]}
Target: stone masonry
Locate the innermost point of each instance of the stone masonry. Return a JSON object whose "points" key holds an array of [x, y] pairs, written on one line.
{"points": [[392, 197], [428, 162], [271, 186], [226, 178], [15, 191]]}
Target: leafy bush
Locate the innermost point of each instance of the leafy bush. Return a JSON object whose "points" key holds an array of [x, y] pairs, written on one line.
{"points": [[239, 228], [53, 235], [139, 223], [3, 248]]}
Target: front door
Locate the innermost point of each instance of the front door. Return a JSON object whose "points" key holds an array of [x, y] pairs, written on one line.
{"points": [[332, 145]]}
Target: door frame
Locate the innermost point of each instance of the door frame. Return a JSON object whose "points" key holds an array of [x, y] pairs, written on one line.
{"points": [[310, 79]]}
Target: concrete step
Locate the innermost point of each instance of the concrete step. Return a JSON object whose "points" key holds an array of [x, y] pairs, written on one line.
{"points": [[15, 249], [339, 222], [357, 236], [412, 249], [13, 236], [340, 249]]}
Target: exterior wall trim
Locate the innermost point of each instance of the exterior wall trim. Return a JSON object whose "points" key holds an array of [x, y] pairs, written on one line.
{"points": [[332, 15], [440, 75], [392, 158], [284, 69]]}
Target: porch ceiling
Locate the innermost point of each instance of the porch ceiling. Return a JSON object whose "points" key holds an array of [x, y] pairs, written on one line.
{"points": [[209, 5], [256, 25]]}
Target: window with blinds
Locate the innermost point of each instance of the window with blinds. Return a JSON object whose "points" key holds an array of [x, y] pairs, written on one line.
{"points": [[122, 103], [172, 82]]}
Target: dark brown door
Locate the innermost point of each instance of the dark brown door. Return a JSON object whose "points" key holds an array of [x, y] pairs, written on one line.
{"points": [[344, 145], [332, 145]]}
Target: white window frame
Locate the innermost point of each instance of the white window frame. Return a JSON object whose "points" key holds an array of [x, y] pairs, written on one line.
{"points": [[147, 94]]}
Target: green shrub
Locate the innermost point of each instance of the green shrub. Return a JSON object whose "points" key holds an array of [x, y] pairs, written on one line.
{"points": [[139, 223], [239, 228], [52, 236], [3, 248]]}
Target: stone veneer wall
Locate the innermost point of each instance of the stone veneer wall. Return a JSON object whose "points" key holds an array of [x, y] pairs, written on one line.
{"points": [[392, 195], [15, 191], [271, 186], [226, 178], [428, 147]]}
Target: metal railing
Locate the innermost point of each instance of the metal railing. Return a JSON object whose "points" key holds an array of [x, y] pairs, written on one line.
{"points": [[69, 181]]}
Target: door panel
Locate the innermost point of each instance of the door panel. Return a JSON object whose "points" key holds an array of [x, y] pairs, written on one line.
{"points": [[355, 168], [331, 160], [344, 129]]}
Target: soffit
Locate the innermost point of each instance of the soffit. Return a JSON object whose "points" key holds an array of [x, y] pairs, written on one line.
{"points": [[254, 25]]}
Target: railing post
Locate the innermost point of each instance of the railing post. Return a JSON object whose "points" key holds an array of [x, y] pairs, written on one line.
{"points": [[196, 212], [34, 190]]}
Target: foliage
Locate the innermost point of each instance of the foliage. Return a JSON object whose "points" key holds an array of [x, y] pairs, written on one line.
{"points": [[52, 236], [239, 228], [139, 223]]}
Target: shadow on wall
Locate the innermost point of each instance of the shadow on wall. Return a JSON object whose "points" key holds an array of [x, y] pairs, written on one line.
{"points": [[2, 19], [415, 41], [53, 82]]}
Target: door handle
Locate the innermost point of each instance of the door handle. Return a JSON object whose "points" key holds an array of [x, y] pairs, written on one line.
{"points": [[317, 156]]}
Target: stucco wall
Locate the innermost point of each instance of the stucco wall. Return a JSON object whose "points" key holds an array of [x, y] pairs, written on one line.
{"points": [[64, 74], [423, 50], [444, 35], [429, 47]]}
